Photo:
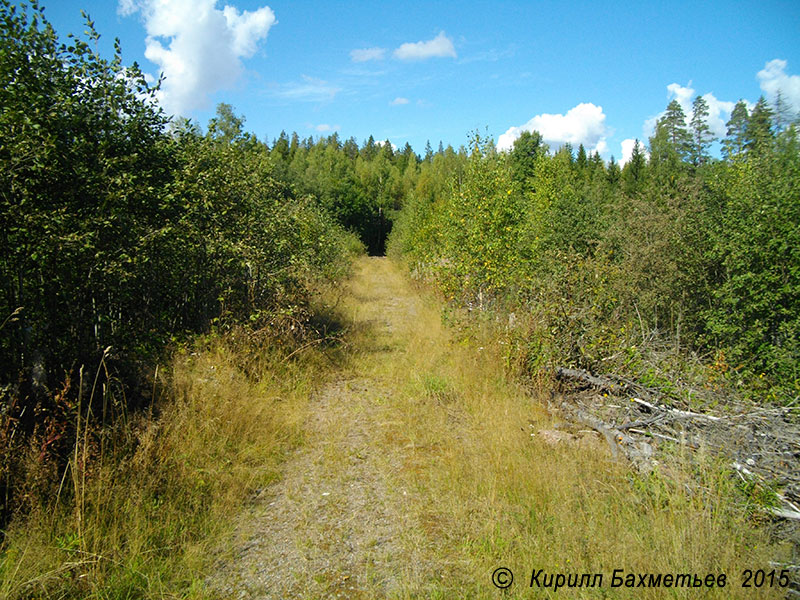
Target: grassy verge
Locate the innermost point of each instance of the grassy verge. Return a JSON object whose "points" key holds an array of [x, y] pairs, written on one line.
{"points": [[486, 493], [143, 519]]}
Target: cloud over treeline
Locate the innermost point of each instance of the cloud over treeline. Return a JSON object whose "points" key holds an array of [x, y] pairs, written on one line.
{"points": [[582, 124]]}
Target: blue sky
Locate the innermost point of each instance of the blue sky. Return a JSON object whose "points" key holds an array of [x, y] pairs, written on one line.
{"points": [[596, 73]]}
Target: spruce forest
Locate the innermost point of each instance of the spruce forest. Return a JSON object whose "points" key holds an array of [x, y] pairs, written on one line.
{"points": [[143, 256]]}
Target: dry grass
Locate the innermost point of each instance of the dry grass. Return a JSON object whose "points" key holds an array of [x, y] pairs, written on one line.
{"points": [[144, 520], [488, 494], [472, 488]]}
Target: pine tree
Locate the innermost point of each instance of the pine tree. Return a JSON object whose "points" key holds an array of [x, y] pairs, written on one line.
{"points": [[350, 148], [674, 125], [369, 150], [596, 165], [784, 115], [634, 171], [582, 160], [386, 148], [758, 133], [613, 172], [700, 132], [280, 147], [734, 143], [410, 156], [567, 150]]}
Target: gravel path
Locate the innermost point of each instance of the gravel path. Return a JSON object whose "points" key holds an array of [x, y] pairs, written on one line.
{"points": [[331, 526]]}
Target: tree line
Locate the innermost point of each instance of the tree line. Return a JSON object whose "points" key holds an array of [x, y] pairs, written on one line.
{"points": [[677, 255]]}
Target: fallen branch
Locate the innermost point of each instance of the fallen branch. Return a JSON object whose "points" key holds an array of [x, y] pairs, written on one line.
{"points": [[686, 414], [638, 452], [605, 382], [789, 510], [585, 376], [643, 423], [661, 436]]}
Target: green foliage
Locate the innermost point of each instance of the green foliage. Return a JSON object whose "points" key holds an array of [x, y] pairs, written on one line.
{"points": [[700, 132], [523, 156], [226, 126], [481, 217], [627, 270], [757, 300], [758, 133], [634, 173], [360, 188], [464, 232], [119, 235], [733, 145]]}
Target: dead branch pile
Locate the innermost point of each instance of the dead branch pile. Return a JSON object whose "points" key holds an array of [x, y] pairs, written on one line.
{"points": [[761, 443]]}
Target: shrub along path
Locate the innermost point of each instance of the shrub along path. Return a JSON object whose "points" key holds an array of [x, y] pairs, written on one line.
{"points": [[422, 470]]}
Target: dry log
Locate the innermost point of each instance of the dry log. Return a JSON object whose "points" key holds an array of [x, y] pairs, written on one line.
{"points": [[603, 429], [638, 452], [685, 414], [584, 376]]}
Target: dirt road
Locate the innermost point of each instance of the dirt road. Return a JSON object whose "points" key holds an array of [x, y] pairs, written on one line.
{"points": [[423, 469], [337, 524]]}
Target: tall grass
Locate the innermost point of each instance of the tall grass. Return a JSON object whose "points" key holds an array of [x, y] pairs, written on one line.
{"points": [[145, 517], [472, 487], [485, 490]]}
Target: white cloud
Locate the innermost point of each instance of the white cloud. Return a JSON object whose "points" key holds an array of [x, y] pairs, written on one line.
{"points": [[398, 101], [383, 142], [126, 8], [583, 124], [365, 54], [324, 127], [248, 28], [719, 113], [684, 95], [441, 46], [773, 79], [198, 47], [309, 90], [627, 150]]}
